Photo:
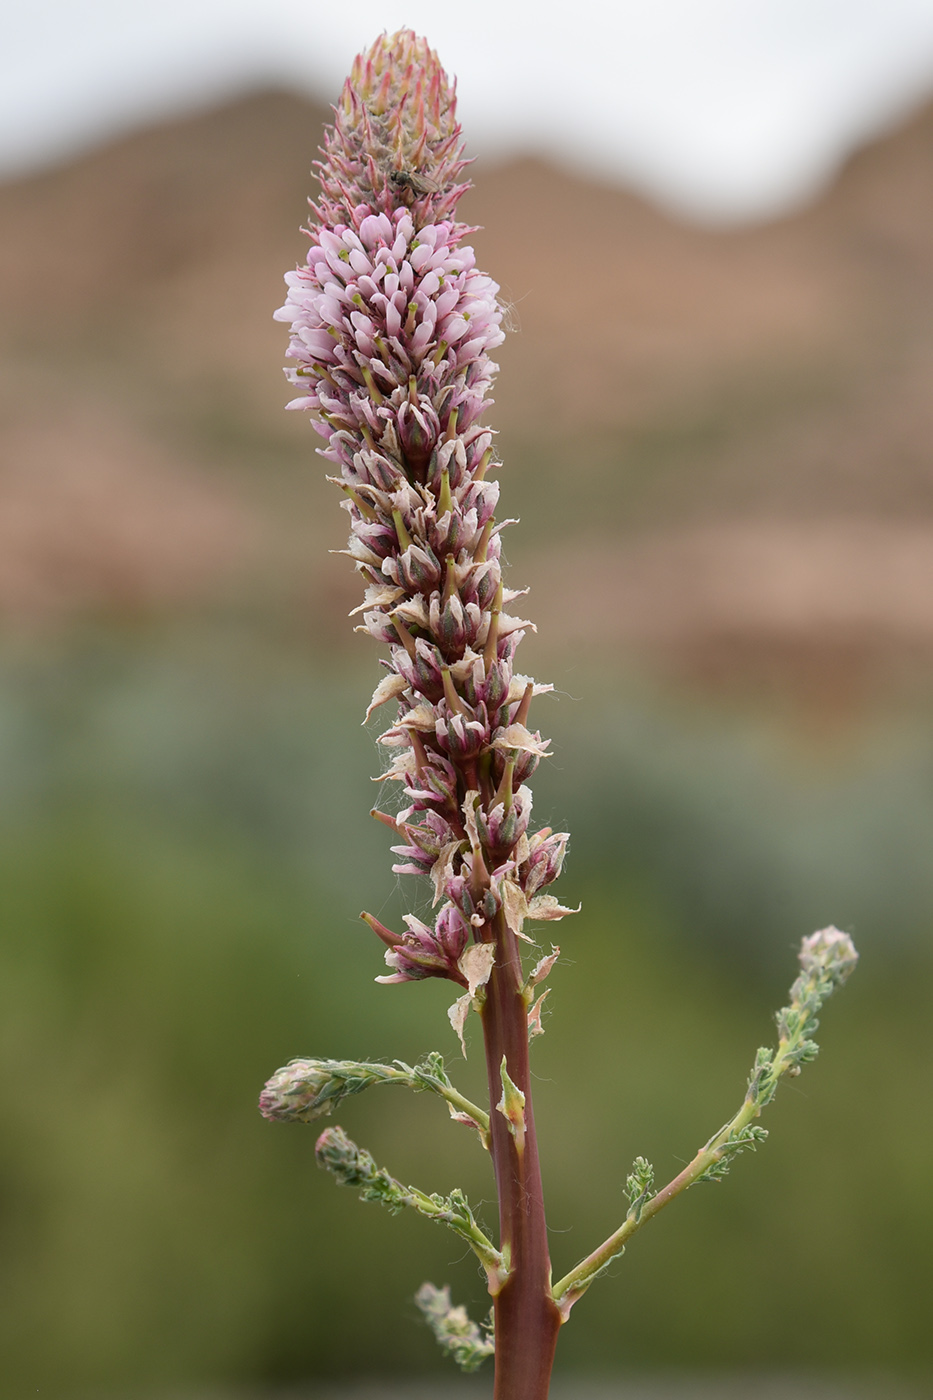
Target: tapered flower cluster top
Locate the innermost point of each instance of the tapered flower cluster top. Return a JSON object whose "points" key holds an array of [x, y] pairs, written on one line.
{"points": [[392, 329]]}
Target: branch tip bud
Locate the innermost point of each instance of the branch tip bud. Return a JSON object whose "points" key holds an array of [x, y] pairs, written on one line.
{"points": [[452, 1328]]}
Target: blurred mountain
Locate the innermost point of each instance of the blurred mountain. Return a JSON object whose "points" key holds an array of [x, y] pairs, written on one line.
{"points": [[718, 439]]}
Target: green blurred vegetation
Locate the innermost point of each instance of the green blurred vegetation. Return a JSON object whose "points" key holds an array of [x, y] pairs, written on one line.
{"points": [[184, 849]]}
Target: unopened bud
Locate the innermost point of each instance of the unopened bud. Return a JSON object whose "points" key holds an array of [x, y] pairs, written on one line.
{"points": [[353, 1166], [418, 431], [455, 1333], [829, 953], [544, 861], [292, 1094]]}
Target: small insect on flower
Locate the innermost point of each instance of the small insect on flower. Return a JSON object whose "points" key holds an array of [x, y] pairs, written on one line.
{"points": [[410, 180]]}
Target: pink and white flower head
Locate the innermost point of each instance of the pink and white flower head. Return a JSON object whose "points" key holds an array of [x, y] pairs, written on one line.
{"points": [[828, 953], [392, 328]]}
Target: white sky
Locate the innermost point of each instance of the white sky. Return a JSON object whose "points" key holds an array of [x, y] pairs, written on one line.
{"points": [[722, 108]]}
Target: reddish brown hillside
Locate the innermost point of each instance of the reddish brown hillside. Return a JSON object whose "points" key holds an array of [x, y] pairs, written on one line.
{"points": [[671, 395]]}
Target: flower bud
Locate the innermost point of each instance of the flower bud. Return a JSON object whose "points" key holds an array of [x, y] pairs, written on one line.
{"points": [[418, 431], [381, 537], [545, 859], [453, 1329], [504, 826], [485, 583], [426, 952], [829, 953], [423, 672], [448, 624], [457, 889], [291, 1095], [452, 931], [353, 1166], [439, 782], [418, 569], [460, 737]]}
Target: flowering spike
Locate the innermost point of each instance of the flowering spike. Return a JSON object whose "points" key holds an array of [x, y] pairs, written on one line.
{"points": [[392, 331]]}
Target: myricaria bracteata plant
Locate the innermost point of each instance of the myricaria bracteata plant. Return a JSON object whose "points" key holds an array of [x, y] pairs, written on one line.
{"points": [[392, 331]]}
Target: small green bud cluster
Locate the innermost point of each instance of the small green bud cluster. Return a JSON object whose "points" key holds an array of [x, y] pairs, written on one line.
{"points": [[638, 1187], [353, 1166], [827, 959], [453, 1210], [455, 1332], [745, 1139]]}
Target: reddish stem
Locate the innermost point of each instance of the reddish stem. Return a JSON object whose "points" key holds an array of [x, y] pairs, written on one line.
{"points": [[527, 1318]]}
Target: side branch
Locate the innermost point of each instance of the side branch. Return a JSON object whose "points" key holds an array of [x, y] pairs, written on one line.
{"points": [[353, 1166], [735, 1136], [827, 959], [307, 1089]]}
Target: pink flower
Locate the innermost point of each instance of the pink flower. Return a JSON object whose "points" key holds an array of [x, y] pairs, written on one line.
{"points": [[392, 329]]}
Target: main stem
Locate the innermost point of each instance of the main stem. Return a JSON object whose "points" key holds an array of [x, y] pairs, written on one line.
{"points": [[527, 1318]]}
